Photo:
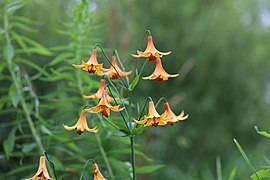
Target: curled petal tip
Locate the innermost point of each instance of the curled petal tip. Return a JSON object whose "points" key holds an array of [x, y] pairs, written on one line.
{"points": [[67, 127]]}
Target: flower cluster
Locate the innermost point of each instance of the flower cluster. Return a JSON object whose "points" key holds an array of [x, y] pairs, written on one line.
{"points": [[153, 118], [154, 55], [104, 106], [107, 103]]}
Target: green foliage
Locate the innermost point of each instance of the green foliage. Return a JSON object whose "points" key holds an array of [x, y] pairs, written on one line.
{"points": [[220, 49]]}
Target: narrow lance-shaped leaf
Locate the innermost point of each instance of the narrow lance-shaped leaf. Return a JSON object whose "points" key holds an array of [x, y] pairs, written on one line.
{"points": [[246, 158], [263, 133], [9, 142], [149, 169]]}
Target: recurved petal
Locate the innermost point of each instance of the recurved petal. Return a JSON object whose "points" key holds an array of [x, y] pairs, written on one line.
{"points": [[152, 76], [182, 117], [69, 127], [77, 66], [94, 130], [88, 97], [173, 75], [136, 55], [116, 108], [140, 122], [164, 53]]}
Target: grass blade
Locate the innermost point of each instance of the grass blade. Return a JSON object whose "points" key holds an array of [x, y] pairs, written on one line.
{"points": [[245, 157]]}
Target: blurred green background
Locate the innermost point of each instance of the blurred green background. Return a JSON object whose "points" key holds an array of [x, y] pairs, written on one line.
{"points": [[219, 48]]}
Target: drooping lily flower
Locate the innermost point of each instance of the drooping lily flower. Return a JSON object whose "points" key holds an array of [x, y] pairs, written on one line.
{"points": [[91, 65], [150, 52], [81, 125], [104, 106], [113, 72], [160, 74], [153, 118], [97, 173], [170, 117], [42, 172], [99, 93]]}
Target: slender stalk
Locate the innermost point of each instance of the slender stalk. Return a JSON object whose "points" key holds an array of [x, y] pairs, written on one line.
{"points": [[160, 99], [133, 158], [123, 117], [112, 124], [86, 163], [18, 86], [107, 58]]}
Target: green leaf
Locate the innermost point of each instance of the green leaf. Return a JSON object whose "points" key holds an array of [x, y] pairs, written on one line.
{"points": [[149, 169], [134, 83], [245, 157], [45, 130], [14, 5], [28, 147], [60, 58], [232, 174], [15, 99], [263, 173], [9, 142], [8, 52], [135, 131], [23, 27], [21, 169], [31, 64], [36, 47], [263, 133], [19, 40]]}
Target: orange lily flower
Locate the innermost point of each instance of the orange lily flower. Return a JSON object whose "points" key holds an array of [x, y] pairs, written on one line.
{"points": [[115, 71], [98, 94], [150, 52], [104, 106], [170, 117], [160, 74], [97, 173], [42, 172], [153, 118], [91, 65], [81, 125]]}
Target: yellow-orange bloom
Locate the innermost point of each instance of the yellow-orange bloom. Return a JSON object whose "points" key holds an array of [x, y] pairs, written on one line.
{"points": [[170, 117], [81, 125], [42, 172], [99, 93], [160, 74], [150, 52], [97, 173], [153, 118], [113, 72], [104, 106], [91, 65]]}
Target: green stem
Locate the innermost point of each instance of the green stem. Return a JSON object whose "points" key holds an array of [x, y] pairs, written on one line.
{"points": [[107, 58], [112, 124], [123, 117], [19, 88], [144, 106], [133, 158], [121, 64], [86, 163], [160, 99]]}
